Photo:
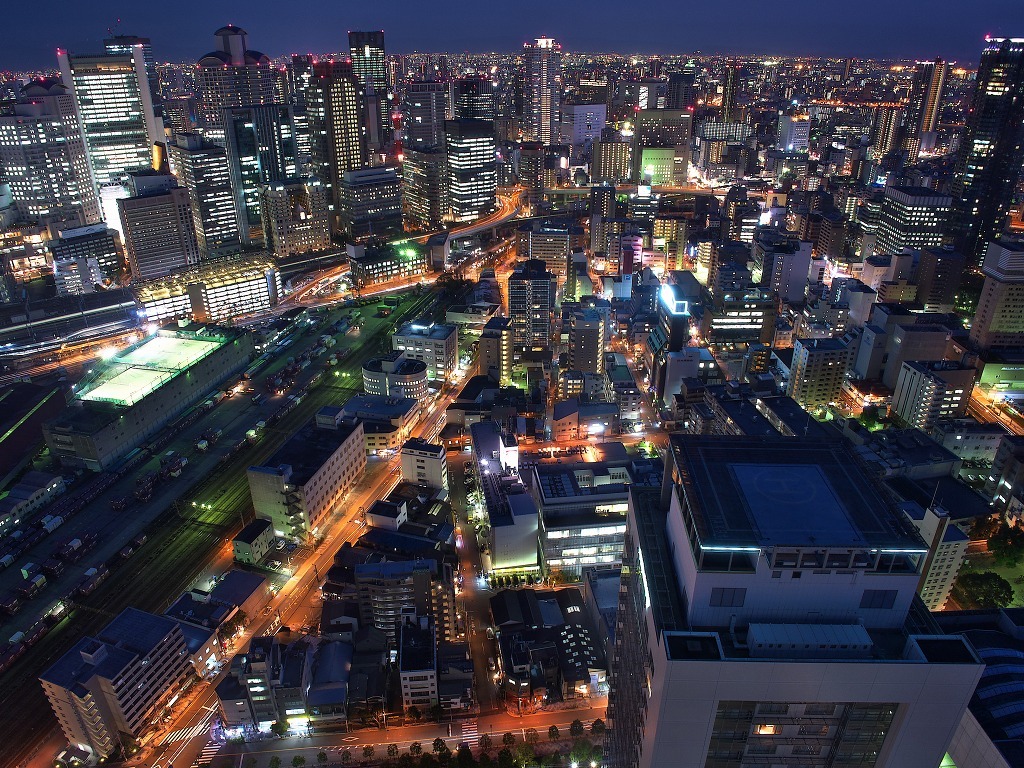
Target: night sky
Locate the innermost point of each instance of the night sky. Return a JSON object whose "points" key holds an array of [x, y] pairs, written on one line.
{"points": [[183, 31]]}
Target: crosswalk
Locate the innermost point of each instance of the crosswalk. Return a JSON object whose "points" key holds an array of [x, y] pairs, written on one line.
{"points": [[211, 749], [183, 734], [470, 734]]}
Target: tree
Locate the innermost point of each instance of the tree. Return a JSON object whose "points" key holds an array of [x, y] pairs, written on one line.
{"points": [[280, 728], [392, 750], [298, 761], [553, 734], [414, 713], [464, 757], [275, 762], [415, 748], [985, 527], [983, 590], [439, 746], [346, 757], [505, 759], [532, 737], [1007, 544], [368, 751], [509, 739], [597, 727], [486, 742], [576, 729], [435, 712], [321, 757], [581, 752]]}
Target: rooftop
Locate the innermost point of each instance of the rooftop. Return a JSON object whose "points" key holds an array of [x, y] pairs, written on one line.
{"points": [[306, 452], [252, 531], [758, 492], [417, 648], [435, 331]]}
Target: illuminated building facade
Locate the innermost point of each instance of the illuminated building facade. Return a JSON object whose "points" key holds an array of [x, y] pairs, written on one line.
{"points": [[472, 181], [542, 90], [202, 168], [295, 216]]}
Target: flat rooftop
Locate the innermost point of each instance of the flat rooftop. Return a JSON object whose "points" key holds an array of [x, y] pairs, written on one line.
{"points": [[307, 451], [758, 492]]}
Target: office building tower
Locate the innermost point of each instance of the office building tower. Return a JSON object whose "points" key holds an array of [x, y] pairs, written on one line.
{"points": [[682, 89], [743, 639], [612, 159], [819, 367], [542, 90], [424, 188], [336, 126], [115, 112], [369, 64], [424, 114], [202, 168], [231, 76], [261, 149], [991, 149], [472, 180], [886, 130], [912, 217], [300, 76], [370, 203], [494, 353], [295, 217], [159, 231], [122, 45], [999, 320], [43, 157], [96, 242], [661, 146], [111, 688], [730, 111], [939, 274], [927, 392], [531, 302], [473, 98], [586, 342], [529, 162], [794, 133], [580, 126], [425, 463], [927, 89]]}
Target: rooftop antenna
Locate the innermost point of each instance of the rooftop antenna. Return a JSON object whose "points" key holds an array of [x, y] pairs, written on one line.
{"points": [[113, 29]]}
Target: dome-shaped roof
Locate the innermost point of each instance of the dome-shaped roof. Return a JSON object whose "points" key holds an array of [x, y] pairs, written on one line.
{"points": [[230, 29], [215, 59]]}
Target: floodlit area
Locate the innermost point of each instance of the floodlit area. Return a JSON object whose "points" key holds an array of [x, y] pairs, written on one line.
{"points": [[127, 378]]}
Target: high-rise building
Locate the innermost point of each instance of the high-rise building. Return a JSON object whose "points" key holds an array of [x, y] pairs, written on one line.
{"points": [[473, 98], [113, 686], [436, 344], [912, 217], [295, 217], [115, 112], [999, 319], [231, 76], [612, 159], [939, 274], [472, 180], [661, 129], [336, 126], [991, 148], [729, 111], [794, 133], [580, 126], [586, 342], [788, 633], [95, 241], [927, 89], [202, 168], [542, 90], [531, 302], [159, 230], [886, 129], [370, 203], [43, 157], [369, 64], [927, 392], [122, 45], [819, 366], [682, 89], [494, 353], [261, 149], [424, 188], [424, 114]]}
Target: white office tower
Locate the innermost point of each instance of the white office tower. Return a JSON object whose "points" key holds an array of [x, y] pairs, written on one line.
{"points": [[542, 90], [115, 112], [768, 616]]}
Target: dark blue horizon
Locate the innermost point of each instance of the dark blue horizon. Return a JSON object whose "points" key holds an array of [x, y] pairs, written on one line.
{"points": [[870, 29]]}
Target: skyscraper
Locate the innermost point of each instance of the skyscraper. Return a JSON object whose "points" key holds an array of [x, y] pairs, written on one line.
{"points": [[531, 300], [542, 90], [122, 45], [424, 187], [424, 114], [991, 149], [912, 217], [43, 159], [927, 90], [261, 149], [473, 98], [231, 76], [682, 89], [730, 112], [768, 615], [115, 112], [295, 217], [159, 231], [472, 169], [667, 130], [370, 65], [202, 168], [998, 321]]}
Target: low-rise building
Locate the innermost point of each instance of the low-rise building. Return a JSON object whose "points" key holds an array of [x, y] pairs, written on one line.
{"points": [[387, 421], [436, 344], [254, 542], [969, 439], [425, 463], [395, 375], [376, 263], [307, 477], [417, 665], [575, 420]]}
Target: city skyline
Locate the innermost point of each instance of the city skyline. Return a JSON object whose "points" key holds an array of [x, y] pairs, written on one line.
{"points": [[800, 32]]}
